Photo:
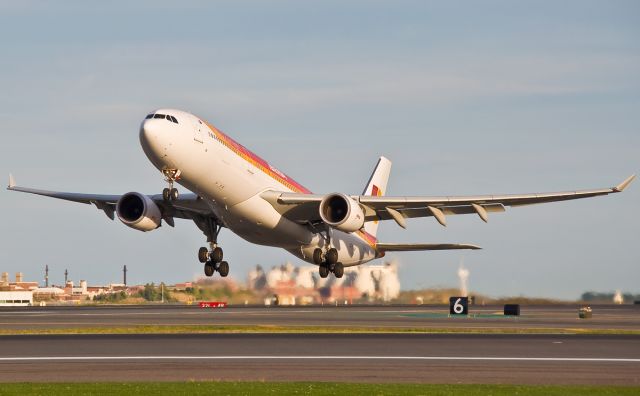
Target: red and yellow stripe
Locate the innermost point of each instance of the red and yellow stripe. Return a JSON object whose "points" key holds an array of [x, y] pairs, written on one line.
{"points": [[275, 174], [258, 162]]}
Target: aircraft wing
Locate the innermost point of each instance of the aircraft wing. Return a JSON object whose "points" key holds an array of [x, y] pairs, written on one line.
{"points": [[304, 207], [407, 247], [188, 206]]}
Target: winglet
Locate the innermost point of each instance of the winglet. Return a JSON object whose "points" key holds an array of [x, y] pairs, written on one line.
{"points": [[620, 187], [12, 182]]}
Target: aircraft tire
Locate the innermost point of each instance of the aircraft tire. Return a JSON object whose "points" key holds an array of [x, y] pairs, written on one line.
{"points": [[324, 271], [174, 194], [223, 269], [166, 193], [209, 269], [217, 254], [338, 270], [317, 256], [332, 256], [203, 254]]}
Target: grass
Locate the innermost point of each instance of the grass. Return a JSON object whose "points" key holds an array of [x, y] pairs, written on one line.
{"points": [[212, 329], [302, 388]]}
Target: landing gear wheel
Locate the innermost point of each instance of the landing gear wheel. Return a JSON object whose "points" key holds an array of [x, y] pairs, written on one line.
{"points": [[338, 270], [324, 271], [209, 269], [174, 194], [217, 255], [203, 254], [166, 194], [223, 269], [332, 256], [317, 256]]}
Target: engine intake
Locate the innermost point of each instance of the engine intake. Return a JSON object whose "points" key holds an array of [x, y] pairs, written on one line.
{"points": [[138, 212], [341, 212]]}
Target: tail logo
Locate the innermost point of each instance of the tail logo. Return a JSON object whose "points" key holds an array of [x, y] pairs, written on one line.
{"points": [[376, 192]]}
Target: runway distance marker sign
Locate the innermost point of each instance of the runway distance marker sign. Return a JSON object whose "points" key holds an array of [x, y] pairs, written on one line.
{"points": [[458, 306], [213, 304]]}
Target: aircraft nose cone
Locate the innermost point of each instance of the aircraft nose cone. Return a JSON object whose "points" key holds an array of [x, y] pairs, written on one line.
{"points": [[152, 139], [148, 132]]}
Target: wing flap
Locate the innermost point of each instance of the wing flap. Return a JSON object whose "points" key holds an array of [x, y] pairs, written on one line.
{"points": [[425, 212]]}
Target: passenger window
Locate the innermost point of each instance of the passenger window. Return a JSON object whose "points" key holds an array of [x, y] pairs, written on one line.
{"points": [[159, 116], [148, 116]]}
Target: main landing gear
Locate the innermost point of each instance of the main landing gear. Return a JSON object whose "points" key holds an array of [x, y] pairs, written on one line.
{"points": [[213, 261], [328, 263], [212, 258], [171, 193]]}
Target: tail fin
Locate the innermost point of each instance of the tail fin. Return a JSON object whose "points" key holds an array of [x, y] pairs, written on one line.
{"points": [[377, 186]]}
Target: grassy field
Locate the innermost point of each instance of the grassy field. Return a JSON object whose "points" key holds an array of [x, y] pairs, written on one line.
{"points": [[211, 329], [304, 388]]}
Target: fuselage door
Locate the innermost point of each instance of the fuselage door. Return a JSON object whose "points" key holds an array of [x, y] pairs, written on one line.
{"points": [[197, 130]]}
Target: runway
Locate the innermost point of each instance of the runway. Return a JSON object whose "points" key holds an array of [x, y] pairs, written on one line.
{"points": [[419, 358], [544, 318], [328, 349]]}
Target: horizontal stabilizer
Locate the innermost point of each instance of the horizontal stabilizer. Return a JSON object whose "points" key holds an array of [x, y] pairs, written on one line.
{"points": [[408, 247]]}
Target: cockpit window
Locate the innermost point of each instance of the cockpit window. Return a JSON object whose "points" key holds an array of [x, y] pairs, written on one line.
{"points": [[163, 116]]}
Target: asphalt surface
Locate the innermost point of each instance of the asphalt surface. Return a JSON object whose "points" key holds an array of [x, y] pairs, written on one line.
{"points": [[551, 358], [420, 358], [542, 318]]}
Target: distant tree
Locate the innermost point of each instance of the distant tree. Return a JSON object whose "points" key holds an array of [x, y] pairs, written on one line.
{"points": [[110, 297], [149, 292]]}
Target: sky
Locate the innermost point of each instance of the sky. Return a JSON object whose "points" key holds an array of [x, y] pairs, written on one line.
{"points": [[464, 97]]}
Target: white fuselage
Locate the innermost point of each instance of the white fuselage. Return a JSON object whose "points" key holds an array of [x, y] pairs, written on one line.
{"points": [[230, 179]]}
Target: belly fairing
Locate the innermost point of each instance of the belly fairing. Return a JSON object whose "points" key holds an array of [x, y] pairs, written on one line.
{"points": [[352, 250], [258, 222]]}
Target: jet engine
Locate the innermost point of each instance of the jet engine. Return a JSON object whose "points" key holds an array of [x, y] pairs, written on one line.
{"points": [[341, 212], [138, 212]]}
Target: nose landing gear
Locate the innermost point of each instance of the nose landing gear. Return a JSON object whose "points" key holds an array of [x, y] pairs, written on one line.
{"points": [[171, 193]]}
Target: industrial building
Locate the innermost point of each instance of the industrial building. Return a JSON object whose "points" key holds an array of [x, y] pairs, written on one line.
{"points": [[18, 293]]}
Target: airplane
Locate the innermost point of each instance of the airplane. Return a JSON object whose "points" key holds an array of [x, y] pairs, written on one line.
{"points": [[231, 187]]}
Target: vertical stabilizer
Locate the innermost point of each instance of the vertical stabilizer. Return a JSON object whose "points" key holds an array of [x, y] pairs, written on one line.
{"points": [[377, 186]]}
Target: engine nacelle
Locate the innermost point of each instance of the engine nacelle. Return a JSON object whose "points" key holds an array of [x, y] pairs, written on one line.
{"points": [[138, 212], [341, 212]]}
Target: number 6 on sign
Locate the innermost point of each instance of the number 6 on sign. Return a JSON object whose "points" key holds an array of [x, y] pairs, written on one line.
{"points": [[458, 305]]}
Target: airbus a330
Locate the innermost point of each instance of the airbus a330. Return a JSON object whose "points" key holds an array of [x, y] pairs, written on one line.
{"points": [[231, 187]]}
